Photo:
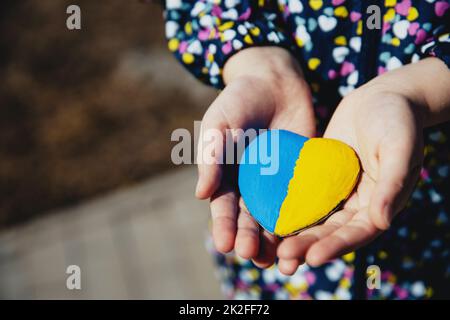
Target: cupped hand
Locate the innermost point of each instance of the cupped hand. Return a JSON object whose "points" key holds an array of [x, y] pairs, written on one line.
{"points": [[265, 89], [383, 122]]}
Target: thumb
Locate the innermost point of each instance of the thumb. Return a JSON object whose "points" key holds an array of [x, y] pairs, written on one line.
{"points": [[209, 154], [399, 169], [239, 106]]}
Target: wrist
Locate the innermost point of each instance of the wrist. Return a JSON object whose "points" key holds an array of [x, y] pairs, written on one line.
{"points": [[425, 85], [402, 84], [272, 63], [272, 68]]}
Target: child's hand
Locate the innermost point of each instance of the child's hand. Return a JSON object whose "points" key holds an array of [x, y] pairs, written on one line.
{"points": [[265, 89], [383, 122]]}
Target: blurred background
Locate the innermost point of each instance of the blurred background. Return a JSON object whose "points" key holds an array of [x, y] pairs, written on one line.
{"points": [[85, 170]]}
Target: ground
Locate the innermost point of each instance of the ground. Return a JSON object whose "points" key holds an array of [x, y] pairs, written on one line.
{"points": [[85, 112], [145, 242]]}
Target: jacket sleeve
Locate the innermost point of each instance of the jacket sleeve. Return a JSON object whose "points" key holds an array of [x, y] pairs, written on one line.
{"points": [[439, 45], [203, 34]]}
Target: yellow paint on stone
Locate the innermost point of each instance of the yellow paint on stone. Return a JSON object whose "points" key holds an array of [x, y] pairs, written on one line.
{"points": [[325, 174]]}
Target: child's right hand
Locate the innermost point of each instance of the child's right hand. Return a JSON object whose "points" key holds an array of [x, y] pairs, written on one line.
{"points": [[265, 89]]}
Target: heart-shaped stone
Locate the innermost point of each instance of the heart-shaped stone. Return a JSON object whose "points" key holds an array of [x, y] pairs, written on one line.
{"points": [[290, 182]]}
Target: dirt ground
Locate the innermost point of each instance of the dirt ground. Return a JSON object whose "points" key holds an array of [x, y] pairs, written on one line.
{"points": [[84, 112]]}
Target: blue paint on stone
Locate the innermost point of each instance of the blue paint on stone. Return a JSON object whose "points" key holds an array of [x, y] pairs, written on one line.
{"points": [[264, 194]]}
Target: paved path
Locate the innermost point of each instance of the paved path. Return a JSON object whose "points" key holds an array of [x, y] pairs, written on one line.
{"points": [[144, 242]]}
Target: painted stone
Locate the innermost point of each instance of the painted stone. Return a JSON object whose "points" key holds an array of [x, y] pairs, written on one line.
{"points": [[290, 182]]}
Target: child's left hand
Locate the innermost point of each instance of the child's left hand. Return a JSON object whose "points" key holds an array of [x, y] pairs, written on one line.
{"points": [[383, 122]]}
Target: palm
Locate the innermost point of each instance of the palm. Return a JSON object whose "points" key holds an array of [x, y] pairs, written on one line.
{"points": [[242, 105], [384, 133]]}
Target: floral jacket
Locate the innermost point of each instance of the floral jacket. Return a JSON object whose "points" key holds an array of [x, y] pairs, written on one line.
{"points": [[338, 52], [330, 38]]}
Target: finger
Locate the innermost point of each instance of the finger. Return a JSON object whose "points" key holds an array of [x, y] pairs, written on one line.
{"points": [[247, 238], [352, 235], [295, 247], [224, 207], [288, 267], [210, 151], [234, 108], [396, 177], [267, 254]]}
